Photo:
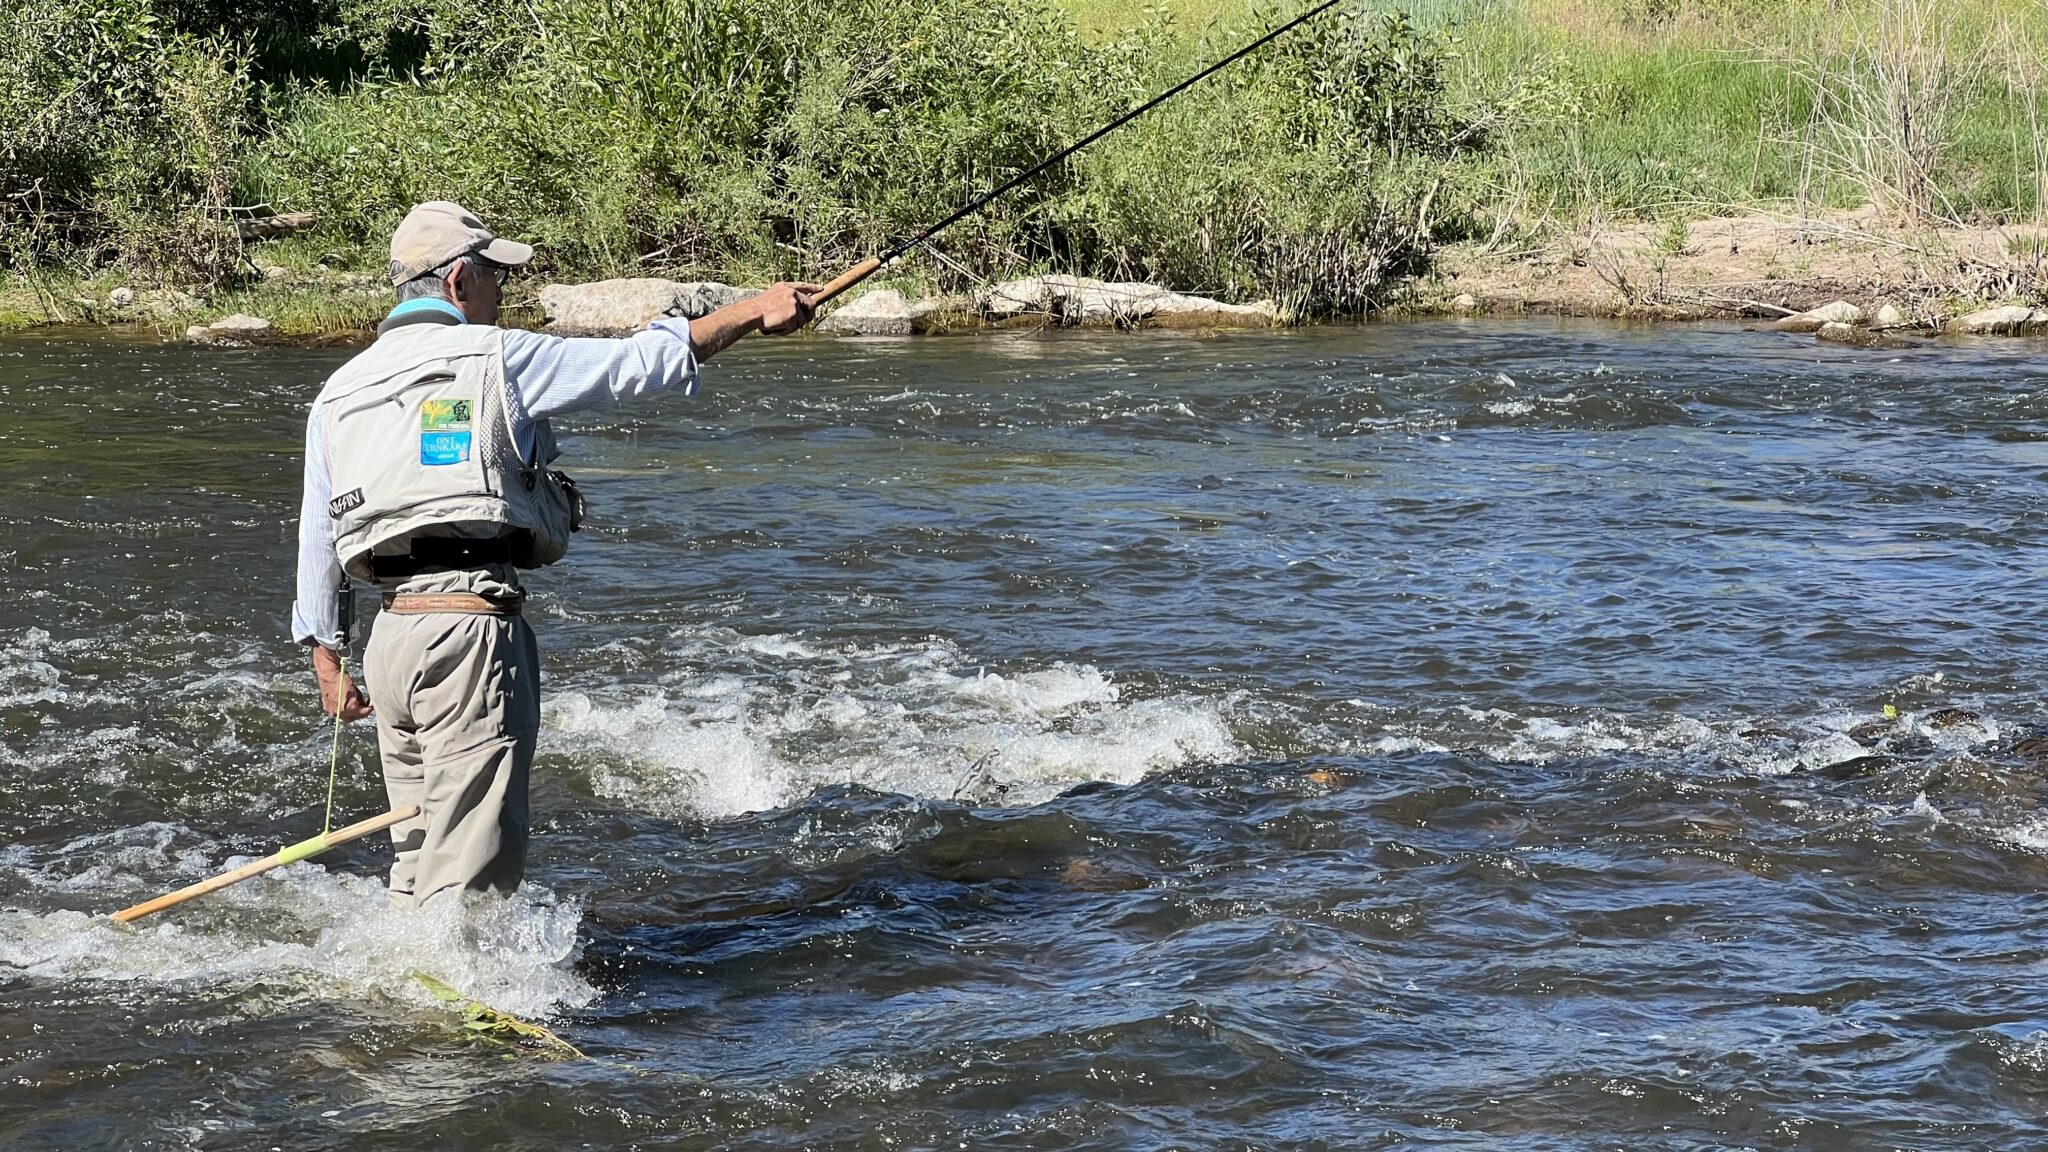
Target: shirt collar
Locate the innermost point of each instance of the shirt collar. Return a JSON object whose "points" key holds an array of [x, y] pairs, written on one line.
{"points": [[426, 303], [422, 310]]}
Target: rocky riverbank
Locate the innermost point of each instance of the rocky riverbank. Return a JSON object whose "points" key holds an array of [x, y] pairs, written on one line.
{"points": [[1848, 277], [614, 306]]}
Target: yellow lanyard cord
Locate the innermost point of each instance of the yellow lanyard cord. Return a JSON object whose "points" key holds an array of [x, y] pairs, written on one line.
{"points": [[334, 755]]}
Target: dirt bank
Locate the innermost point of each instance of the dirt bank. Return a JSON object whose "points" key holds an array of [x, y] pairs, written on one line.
{"points": [[1757, 265]]}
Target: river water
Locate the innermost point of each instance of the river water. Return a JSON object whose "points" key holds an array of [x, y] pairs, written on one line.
{"points": [[1506, 736]]}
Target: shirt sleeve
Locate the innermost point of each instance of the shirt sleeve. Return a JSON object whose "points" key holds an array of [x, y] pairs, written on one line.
{"points": [[315, 614], [553, 375]]}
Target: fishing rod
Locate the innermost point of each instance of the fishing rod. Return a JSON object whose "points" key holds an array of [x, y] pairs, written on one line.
{"points": [[873, 264]]}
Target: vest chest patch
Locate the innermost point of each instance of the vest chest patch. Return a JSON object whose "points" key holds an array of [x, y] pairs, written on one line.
{"points": [[445, 433]]}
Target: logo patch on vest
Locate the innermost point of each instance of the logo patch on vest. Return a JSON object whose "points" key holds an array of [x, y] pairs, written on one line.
{"points": [[444, 433], [345, 503]]}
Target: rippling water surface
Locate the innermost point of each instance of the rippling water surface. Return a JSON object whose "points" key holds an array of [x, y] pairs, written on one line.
{"points": [[1436, 735]]}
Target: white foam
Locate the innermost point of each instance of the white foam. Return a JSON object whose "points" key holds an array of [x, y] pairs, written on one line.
{"points": [[26, 675], [2028, 836], [785, 716], [1806, 756], [1057, 689], [316, 932], [1390, 745], [1814, 743]]}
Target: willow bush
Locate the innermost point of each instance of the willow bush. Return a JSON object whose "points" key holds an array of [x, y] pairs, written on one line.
{"points": [[120, 136], [737, 139], [750, 138]]}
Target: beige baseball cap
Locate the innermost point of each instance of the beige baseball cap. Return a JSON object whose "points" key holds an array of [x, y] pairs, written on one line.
{"points": [[438, 231]]}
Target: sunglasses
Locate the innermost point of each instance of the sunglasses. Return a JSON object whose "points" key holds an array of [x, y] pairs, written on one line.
{"points": [[499, 273]]}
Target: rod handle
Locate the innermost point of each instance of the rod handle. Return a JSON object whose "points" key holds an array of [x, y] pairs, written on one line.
{"points": [[847, 279], [300, 851]]}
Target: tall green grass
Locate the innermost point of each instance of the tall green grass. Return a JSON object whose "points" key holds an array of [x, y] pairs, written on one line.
{"points": [[1680, 107]]}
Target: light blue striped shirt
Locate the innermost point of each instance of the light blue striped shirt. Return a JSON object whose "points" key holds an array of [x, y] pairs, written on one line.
{"points": [[545, 376]]}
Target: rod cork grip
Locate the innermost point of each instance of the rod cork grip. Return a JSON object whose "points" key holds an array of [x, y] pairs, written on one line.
{"points": [[847, 279], [304, 849]]}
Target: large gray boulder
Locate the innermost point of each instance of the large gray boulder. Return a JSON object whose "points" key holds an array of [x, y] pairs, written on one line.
{"points": [[2011, 320], [1080, 300], [882, 312], [615, 307], [238, 329], [239, 324], [1839, 312]]}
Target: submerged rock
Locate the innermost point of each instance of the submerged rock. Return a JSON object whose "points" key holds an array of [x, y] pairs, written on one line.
{"points": [[2032, 748], [615, 307], [1858, 767], [1079, 300], [1860, 337], [885, 312], [1839, 312], [2011, 320], [1950, 717]]}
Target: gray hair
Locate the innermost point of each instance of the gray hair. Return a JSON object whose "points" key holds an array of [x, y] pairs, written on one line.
{"points": [[432, 284]]}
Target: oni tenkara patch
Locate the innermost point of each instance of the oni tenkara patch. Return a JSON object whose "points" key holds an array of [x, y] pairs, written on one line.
{"points": [[444, 432]]}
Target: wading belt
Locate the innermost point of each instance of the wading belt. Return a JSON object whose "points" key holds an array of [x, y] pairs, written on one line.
{"points": [[467, 603], [436, 553]]}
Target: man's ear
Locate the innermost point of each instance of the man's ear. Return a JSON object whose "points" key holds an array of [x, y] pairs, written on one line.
{"points": [[458, 286]]}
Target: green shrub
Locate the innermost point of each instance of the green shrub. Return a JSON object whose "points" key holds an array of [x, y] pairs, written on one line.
{"points": [[119, 136], [760, 137]]}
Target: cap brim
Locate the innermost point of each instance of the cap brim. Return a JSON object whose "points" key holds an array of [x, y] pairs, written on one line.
{"points": [[510, 253]]}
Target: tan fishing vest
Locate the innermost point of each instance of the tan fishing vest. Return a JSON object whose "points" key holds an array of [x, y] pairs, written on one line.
{"points": [[420, 444]]}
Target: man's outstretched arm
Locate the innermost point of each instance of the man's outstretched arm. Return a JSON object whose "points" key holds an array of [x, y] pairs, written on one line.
{"points": [[555, 375], [779, 309]]}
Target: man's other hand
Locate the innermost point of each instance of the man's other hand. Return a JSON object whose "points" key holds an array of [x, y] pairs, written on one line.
{"points": [[336, 687]]}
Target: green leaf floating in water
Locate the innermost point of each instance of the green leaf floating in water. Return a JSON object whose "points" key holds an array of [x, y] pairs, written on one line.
{"points": [[485, 1020]]}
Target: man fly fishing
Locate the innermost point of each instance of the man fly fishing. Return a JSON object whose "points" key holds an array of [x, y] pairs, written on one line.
{"points": [[428, 475]]}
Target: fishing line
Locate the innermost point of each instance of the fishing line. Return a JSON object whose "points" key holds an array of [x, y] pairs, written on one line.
{"points": [[334, 752], [873, 264], [1112, 126]]}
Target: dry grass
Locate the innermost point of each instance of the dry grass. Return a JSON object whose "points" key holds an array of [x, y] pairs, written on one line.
{"points": [[1889, 92]]}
